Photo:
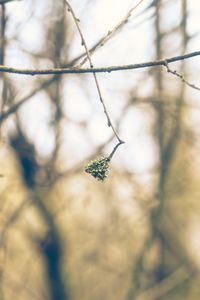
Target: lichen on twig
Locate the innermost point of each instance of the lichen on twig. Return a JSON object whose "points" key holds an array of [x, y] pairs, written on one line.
{"points": [[98, 168]]}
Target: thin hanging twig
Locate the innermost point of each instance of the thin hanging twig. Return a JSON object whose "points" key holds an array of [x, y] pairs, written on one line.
{"points": [[83, 43], [92, 50]]}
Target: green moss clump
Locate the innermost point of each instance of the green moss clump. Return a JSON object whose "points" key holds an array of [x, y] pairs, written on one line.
{"points": [[98, 168]]}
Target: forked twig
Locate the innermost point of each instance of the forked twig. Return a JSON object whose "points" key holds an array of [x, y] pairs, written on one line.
{"points": [[174, 72], [116, 68], [110, 33], [92, 50], [83, 43], [72, 70]]}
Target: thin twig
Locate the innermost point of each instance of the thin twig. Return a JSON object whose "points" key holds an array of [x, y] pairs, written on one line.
{"points": [[100, 148], [32, 72], [114, 149], [174, 72], [110, 33], [83, 43], [70, 70], [92, 50]]}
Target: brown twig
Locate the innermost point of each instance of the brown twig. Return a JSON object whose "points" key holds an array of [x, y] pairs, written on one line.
{"points": [[110, 33], [32, 72], [71, 70], [83, 43], [100, 149], [114, 150], [174, 72], [92, 50]]}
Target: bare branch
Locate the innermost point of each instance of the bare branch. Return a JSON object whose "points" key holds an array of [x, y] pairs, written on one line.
{"points": [[111, 32], [32, 72], [83, 42], [92, 50], [174, 72]]}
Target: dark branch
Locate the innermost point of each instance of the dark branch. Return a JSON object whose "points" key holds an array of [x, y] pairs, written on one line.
{"points": [[4, 69]]}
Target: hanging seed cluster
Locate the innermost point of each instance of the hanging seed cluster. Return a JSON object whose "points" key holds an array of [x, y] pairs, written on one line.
{"points": [[98, 168]]}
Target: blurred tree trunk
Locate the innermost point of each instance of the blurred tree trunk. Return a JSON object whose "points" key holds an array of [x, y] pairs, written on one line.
{"points": [[50, 244], [167, 136]]}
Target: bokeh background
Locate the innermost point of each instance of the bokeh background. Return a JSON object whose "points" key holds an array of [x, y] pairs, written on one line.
{"points": [[63, 234]]}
